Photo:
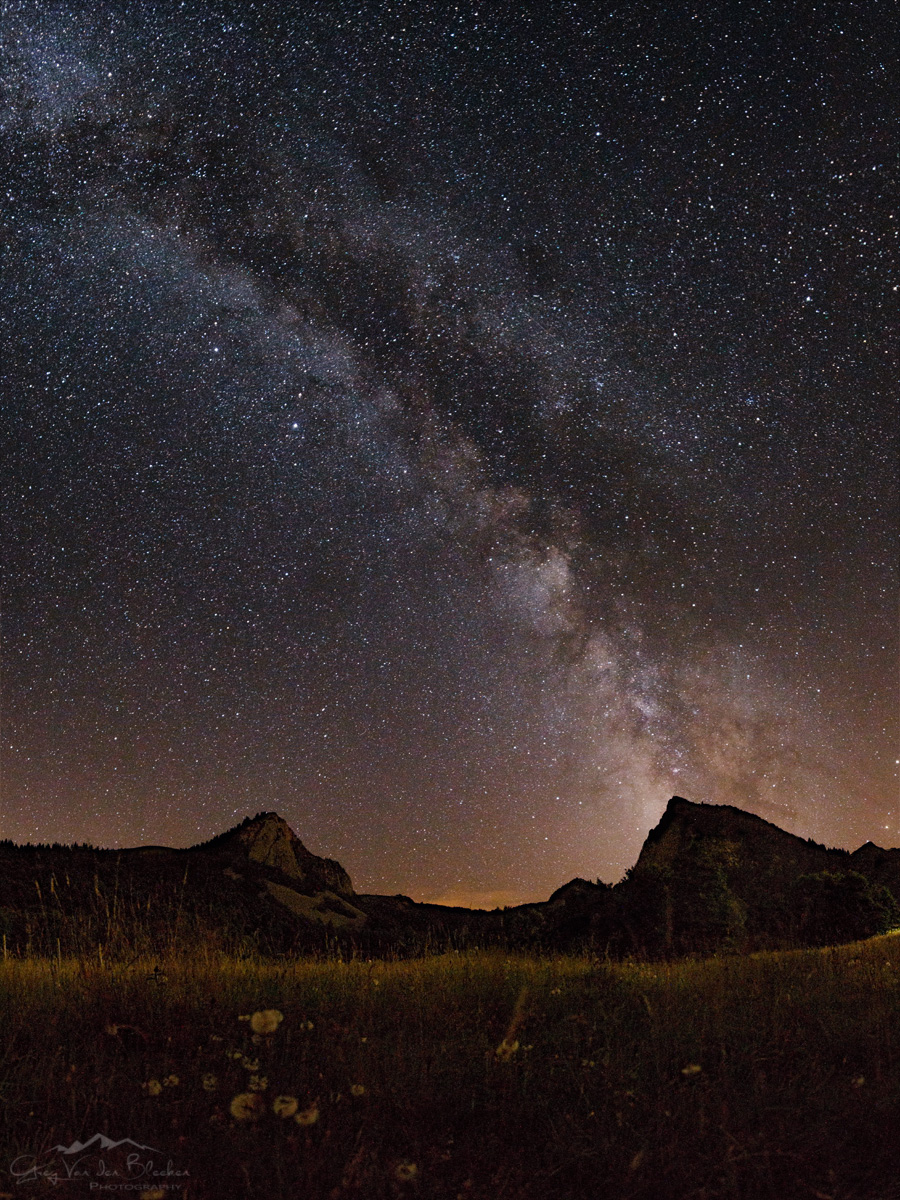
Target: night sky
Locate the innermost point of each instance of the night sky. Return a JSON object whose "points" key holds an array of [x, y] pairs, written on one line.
{"points": [[457, 428]]}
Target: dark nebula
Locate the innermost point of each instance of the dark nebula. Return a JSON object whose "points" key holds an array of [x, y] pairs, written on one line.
{"points": [[455, 428]]}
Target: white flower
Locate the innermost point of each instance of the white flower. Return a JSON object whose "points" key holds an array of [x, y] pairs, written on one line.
{"points": [[266, 1021], [247, 1106], [308, 1115]]}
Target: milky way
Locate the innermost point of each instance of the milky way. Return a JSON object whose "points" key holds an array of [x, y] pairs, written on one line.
{"points": [[457, 429]]}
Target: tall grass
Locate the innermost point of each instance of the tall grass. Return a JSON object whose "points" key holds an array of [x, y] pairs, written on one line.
{"points": [[474, 1075]]}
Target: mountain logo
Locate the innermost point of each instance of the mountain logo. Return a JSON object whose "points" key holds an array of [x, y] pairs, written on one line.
{"points": [[101, 1142]]}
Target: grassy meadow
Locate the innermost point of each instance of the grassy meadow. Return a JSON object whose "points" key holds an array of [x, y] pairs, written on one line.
{"points": [[468, 1076]]}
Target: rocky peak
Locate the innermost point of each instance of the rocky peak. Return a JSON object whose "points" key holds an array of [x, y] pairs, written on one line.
{"points": [[758, 854], [267, 839], [270, 840], [684, 823]]}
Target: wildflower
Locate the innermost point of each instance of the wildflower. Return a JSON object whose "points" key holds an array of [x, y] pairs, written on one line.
{"points": [[258, 1083], [506, 1050], [152, 1087], [247, 1106], [153, 1193], [285, 1106], [209, 1082], [405, 1171], [171, 1081], [308, 1115], [691, 1069], [307, 1025], [357, 1089], [266, 1021], [555, 991], [244, 1017], [249, 1064]]}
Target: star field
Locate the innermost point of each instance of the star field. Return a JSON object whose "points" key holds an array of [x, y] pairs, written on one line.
{"points": [[455, 428]]}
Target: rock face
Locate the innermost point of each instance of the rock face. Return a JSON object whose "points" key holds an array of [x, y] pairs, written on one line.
{"points": [[758, 850], [762, 857], [267, 839]]}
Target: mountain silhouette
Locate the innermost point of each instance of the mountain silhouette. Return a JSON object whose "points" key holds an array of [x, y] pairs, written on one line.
{"points": [[708, 877], [101, 1142]]}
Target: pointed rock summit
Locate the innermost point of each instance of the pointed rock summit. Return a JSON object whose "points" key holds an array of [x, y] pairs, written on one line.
{"points": [[267, 839]]}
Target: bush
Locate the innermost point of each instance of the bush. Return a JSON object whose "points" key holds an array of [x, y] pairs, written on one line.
{"points": [[840, 906]]}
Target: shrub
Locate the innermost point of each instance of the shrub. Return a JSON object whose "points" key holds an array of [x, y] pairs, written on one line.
{"points": [[840, 906]]}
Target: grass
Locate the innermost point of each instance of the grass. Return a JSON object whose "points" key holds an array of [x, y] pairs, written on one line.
{"points": [[476, 1076]]}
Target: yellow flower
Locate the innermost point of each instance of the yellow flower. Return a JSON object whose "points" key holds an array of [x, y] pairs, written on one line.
{"points": [[405, 1171], [152, 1087], [210, 1083], [307, 1116], [357, 1089], [171, 1081], [249, 1064], [258, 1083], [506, 1050], [266, 1021], [247, 1106], [691, 1069], [153, 1193], [285, 1106]]}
